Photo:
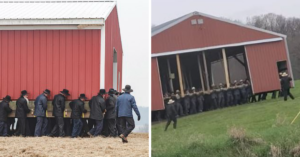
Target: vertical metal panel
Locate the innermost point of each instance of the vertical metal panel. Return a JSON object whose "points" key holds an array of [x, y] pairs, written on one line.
{"points": [[211, 33], [157, 102], [262, 60], [112, 41], [53, 59]]}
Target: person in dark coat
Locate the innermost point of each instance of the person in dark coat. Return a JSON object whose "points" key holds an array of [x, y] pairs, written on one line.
{"points": [[110, 115], [237, 94], [178, 104], [58, 112], [77, 107], [21, 113], [186, 103], [98, 109], [200, 102], [285, 86], [221, 100], [193, 101], [213, 98], [229, 97], [171, 114], [125, 104], [40, 109], [4, 111], [243, 92]]}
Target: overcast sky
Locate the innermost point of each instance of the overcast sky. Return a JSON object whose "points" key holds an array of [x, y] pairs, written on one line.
{"points": [[165, 10], [135, 25]]}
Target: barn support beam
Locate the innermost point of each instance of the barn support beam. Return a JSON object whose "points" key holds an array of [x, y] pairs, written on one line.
{"points": [[206, 72], [200, 71], [226, 67], [179, 75], [235, 57], [170, 79]]}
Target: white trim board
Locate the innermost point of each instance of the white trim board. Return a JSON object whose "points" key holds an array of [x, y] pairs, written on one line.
{"points": [[21, 22], [47, 27], [289, 61], [215, 47], [102, 59], [215, 18]]}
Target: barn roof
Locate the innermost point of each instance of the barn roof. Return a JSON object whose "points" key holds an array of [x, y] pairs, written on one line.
{"points": [[160, 28], [54, 12]]}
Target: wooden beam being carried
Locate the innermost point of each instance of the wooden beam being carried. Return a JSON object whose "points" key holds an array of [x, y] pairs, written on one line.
{"points": [[200, 71], [206, 72], [179, 75], [226, 67]]}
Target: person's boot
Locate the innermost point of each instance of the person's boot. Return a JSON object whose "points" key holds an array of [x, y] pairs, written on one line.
{"points": [[90, 134]]}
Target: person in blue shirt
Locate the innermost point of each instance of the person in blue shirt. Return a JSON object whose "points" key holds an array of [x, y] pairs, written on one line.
{"points": [[124, 106], [40, 108]]}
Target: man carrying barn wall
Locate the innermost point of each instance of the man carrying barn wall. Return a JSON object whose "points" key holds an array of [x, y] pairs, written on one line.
{"points": [[77, 107], [285, 86], [40, 109], [125, 104], [110, 115], [21, 113], [58, 112], [4, 111], [98, 109]]}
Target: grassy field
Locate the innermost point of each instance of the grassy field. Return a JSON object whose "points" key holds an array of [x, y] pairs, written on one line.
{"points": [[257, 129]]}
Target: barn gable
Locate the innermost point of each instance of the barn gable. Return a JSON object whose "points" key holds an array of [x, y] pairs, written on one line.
{"points": [[181, 34]]}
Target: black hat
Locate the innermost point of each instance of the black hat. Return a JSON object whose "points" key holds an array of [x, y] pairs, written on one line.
{"points": [[8, 98], [82, 96], [111, 91], [65, 92], [121, 93], [47, 91], [102, 91], [127, 89], [24, 92]]}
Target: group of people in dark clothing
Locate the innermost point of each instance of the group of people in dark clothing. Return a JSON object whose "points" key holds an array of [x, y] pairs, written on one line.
{"points": [[109, 116], [219, 97]]}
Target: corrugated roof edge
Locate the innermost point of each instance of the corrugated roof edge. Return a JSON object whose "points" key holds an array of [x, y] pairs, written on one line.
{"points": [[212, 17], [54, 1]]}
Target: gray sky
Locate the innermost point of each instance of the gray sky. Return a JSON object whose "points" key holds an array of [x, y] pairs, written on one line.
{"points": [[135, 32], [165, 10]]}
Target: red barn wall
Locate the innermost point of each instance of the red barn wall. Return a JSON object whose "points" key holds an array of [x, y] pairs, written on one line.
{"points": [[54, 59], [112, 40], [157, 102], [262, 62], [211, 33]]}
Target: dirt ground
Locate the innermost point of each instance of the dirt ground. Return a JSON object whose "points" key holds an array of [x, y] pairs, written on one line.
{"points": [[137, 146]]}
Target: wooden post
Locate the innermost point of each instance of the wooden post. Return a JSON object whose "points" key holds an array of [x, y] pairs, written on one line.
{"points": [[226, 68], [206, 72], [170, 79], [179, 75], [200, 71]]}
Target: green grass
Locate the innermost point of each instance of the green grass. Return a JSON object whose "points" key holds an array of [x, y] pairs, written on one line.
{"points": [[207, 134]]}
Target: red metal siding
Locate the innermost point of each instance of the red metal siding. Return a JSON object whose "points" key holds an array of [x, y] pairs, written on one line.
{"points": [[211, 33], [53, 59], [112, 40], [157, 102], [262, 60]]}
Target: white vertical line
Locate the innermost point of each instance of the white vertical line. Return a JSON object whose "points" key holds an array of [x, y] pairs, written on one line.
{"points": [[250, 79], [102, 58], [289, 61]]}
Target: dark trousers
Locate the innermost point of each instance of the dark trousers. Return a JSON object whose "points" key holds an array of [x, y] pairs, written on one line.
{"points": [[3, 129], [41, 126], [98, 128], [126, 125], [286, 93], [221, 102], [111, 127], [174, 119], [77, 126], [85, 127], [91, 123], [23, 129], [58, 127]]}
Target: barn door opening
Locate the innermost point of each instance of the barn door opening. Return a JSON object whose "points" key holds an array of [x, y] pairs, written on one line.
{"points": [[281, 66], [115, 70]]}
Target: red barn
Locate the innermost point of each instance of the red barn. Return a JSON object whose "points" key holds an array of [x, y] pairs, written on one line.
{"points": [[59, 44], [197, 50]]}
